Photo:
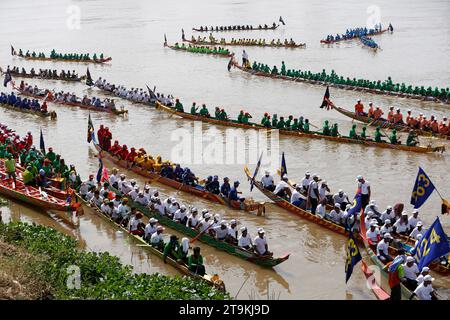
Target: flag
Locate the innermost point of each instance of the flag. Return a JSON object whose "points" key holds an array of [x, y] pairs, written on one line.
{"points": [[91, 130], [41, 143], [398, 260], [326, 100], [152, 94], [182, 35], [356, 205], [283, 169], [445, 207], [100, 170], [89, 81], [165, 40], [8, 78], [353, 256], [256, 172], [13, 52], [423, 188], [282, 21], [432, 245]]}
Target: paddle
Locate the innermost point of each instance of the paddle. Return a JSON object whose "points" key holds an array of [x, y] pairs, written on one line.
{"points": [[200, 234]]}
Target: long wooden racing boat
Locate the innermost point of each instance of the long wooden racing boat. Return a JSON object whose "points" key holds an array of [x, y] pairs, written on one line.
{"points": [[218, 43], [371, 281], [296, 133], [72, 104], [217, 54], [352, 38], [97, 61], [343, 86], [212, 280], [196, 190], [384, 123], [51, 114], [224, 29], [37, 76], [265, 261]]}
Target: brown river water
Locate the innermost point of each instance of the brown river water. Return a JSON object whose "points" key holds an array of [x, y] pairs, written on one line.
{"points": [[132, 33]]}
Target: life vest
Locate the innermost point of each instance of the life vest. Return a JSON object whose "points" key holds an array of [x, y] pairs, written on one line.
{"points": [[359, 108], [398, 117]]}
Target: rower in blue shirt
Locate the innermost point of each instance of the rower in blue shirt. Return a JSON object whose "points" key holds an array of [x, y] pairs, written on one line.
{"points": [[178, 172], [233, 195], [225, 188], [215, 185]]}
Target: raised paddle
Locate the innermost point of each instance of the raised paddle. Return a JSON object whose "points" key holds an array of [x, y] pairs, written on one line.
{"points": [[200, 234]]}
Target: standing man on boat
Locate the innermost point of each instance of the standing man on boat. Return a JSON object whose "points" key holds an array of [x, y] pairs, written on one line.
{"points": [[244, 58], [359, 108], [313, 194], [10, 166], [364, 189]]}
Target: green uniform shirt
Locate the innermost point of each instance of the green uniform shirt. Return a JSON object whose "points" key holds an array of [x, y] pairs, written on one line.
{"points": [[195, 261], [27, 177], [10, 165]]}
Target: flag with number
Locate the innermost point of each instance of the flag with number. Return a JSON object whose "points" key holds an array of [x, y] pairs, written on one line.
{"points": [[423, 188], [353, 256]]}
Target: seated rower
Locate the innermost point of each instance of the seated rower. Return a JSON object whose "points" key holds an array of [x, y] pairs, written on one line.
{"points": [[178, 106], [393, 137], [282, 189], [225, 187], [232, 232], [373, 234], [335, 130], [378, 135], [193, 221], [411, 273], [184, 249], [156, 239], [261, 248], [136, 225], [401, 226], [383, 248], [398, 117], [245, 241], [204, 111], [359, 108], [352, 134], [195, 262], [425, 291], [221, 232], [296, 197], [150, 229], [335, 215], [194, 108], [341, 198], [267, 181], [326, 128], [412, 139], [233, 194], [172, 249]]}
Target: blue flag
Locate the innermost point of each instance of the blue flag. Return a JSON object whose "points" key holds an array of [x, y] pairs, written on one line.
{"points": [[283, 169], [353, 256], [256, 172], [91, 130], [356, 205], [432, 245], [100, 170], [423, 188], [41, 143]]}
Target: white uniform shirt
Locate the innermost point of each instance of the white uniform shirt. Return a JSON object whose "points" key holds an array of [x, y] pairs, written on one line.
{"points": [[416, 232], [244, 241], [205, 225], [160, 208], [321, 210], [133, 194], [112, 179], [382, 247], [338, 199], [364, 187], [296, 196], [96, 201], [156, 238], [385, 229], [419, 279], [105, 209], [135, 223], [124, 210], [281, 186], [179, 215], [149, 229], [116, 203], [335, 217], [413, 222], [385, 215], [373, 235], [313, 186], [221, 233], [173, 208], [115, 214], [424, 293], [260, 244], [232, 232], [322, 192], [411, 272], [400, 226], [194, 221], [267, 181], [306, 182], [142, 200]]}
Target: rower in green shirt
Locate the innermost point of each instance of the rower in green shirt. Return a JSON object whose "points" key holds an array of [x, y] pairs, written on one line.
{"points": [[412, 141], [179, 106], [283, 68], [306, 126], [393, 138], [335, 130], [194, 109], [281, 124], [326, 128], [10, 166], [288, 121], [240, 116], [223, 115], [195, 262], [172, 249], [50, 154], [204, 111], [265, 120], [217, 113], [274, 121], [28, 176], [352, 133], [294, 125], [300, 123], [246, 117], [363, 133], [378, 135]]}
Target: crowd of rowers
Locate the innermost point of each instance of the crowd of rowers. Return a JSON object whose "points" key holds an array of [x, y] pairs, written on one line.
{"points": [[166, 169], [120, 202], [66, 56], [357, 32], [396, 117], [202, 49], [134, 94], [386, 85], [38, 167], [22, 103], [67, 97], [243, 41], [45, 73], [315, 194], [236, 27]]}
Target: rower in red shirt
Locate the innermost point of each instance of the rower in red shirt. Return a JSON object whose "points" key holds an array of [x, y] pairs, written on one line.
{"points": [[132, 155], [443, 127], [398, 117], [107, 137], [29, 139], [123, 153], [434, 125], [424, 123], [100, 134], [115, 148], [371, 112], [408, 116], [359, 108], [44, 106], [378, 113], [390, 116]]}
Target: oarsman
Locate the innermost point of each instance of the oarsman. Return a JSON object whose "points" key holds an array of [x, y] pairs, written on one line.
{"points": [[306, 181], [387, 227], [411, 273], [390, 116], [364, 188], [425, 291], [335, 215], [96, 200], [401, 226], [221, 231], [124, 211], [412, 139], [371, 112], [414, 219], [172, 249], [341, 198], [383, 248], [424, 273], [372, 210], [267, 181], [313, 194], [359, 108], [156, 239], [180, 215], [192, 221], [195, 262], [296, 197], [136, 225], [245, 241], [323, 190], [205, 223], [150, 228], [388, 214], [260, 244], [216, 221], [418, 230], [225, 187], [234, 193], [232, 232], [373, 234], [141, 199], [282, 189], [398, 117], [321, 209]]}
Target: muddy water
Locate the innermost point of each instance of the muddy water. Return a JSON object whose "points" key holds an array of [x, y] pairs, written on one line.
{"points": [[132, 33]]}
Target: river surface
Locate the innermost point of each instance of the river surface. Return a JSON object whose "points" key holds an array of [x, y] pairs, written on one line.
{"points": [[132, 32]]}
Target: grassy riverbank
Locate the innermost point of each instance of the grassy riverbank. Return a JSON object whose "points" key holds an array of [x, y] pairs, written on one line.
{"points": [[38, 262]]}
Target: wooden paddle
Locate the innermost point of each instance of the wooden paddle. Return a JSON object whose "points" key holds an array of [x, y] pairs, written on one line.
{"points": [[200, 234]]}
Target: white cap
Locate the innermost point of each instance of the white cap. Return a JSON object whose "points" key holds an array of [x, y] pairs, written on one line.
{"points": [[223, 222], [426, 269], [389, 207], [315, 175], [387, 235], [207, 215], [205, 211], [337, 205], [324, 182], [267, 172], [261, 230], [359, 177], [159, 228], [194, 209], [372, 202], [404, 213], [183, 207], [373, 224], [415, 211], [133, 181], [340, 190], [153, 220], [409, 259], [285, 176], [307, 173], [233, 221], [428, 278], [419, 223], [387, 221], [243, 229], [217, 216]]}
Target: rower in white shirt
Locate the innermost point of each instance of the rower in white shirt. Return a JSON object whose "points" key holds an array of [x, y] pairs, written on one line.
{"points": [[267, 181], [425, 272], [282, 189], [121, 181], [180, 215], [306, 181], [341, 198], [107, 207], [418, 230], [221, 231], [156, 239], [205, 223], [150, 228], [96, 200], [372, 208], [158, 205], [425, 290], [260, 244], [373, 233], [192, 221], [297, 198], [386, 228], [141, 199], [216, 221], [383, 248], [245, 241], [411, 273], [388, 214], [232, 232], [401, 226], [336, 214], [414, 219], [323, 191], [174, 207], [134, 193]]}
